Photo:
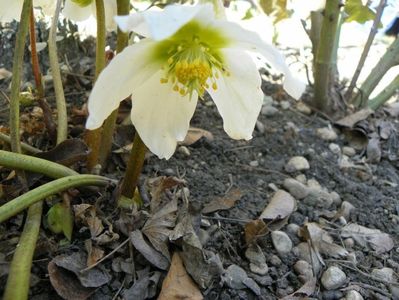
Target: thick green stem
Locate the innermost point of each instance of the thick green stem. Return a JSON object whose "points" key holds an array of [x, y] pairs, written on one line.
{"points": [[122, 40], [134, 167], [385, 94], [93, 137], [16, 76], [388, 60], [22, 202], [62, 126], [25, 147], [33, 164], [366, 49], [18, 280], [325, 54]]}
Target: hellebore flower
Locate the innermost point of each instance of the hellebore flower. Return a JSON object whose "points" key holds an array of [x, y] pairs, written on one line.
{"points": [[81, 10], [185, 53]]}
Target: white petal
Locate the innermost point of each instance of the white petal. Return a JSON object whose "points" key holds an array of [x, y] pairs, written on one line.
{"points": [[160, 25], [161, 116], [75, 12], [251, 41], [126, 71], [10, 10], [238, 96]]}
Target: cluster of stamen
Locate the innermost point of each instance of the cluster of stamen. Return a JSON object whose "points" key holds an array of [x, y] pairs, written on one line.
{"points": [[190, 66]]}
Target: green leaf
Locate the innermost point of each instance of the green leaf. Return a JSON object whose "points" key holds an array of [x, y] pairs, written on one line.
{"points": [[358, 12], [276, 9], [60, 220]]}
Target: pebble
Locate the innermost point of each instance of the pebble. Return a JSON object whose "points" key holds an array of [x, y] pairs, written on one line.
{"points": [[304, 269], [353, 295], [303, 108], [281, 242], [326, 134], [234, 277], [349, 243], [269, 111], [254, 163], [296, 188], [267, 100], [346, 209], [301, 178], [348, 151], [257, 260], [285, 105], [203, 236], [184, 150], [260, 127], [318, 198], [293, 229], [297, 163], [313, 183], [334, 148], [336, 198], [385, 274], [333, 278], [275, 260]]}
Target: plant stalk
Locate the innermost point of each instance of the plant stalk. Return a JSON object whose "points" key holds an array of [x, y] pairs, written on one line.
{"points": [[93, 137], [325, 55], [62, 126], [122, 40], [388, 60], [25, 147], [38, 194], [385, 94], [367, 46], [134, 167], [17, 74]]}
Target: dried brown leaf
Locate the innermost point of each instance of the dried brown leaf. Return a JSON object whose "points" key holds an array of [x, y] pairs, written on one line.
{"points": [[254, 230], [350, 120], [66, 153], [178, 284], [281, 206], [304, 291], [223, 203], [194, 135], [94, 254], [157, 186]]}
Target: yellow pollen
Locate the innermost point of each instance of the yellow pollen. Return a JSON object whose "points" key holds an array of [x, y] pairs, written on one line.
{"points": [[164, 80], [214, 86]]}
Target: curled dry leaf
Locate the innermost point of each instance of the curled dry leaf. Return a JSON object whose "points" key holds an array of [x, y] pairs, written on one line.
{"points": [[304, 291], [254, 230], [157, 187], [223, 203], [194, 134], [94, 254], [178, 284], [366, 237], [350, 120], [281, 206]]}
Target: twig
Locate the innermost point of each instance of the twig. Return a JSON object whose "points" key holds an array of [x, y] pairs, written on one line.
{"points": [[106, 256], [227, 219]]}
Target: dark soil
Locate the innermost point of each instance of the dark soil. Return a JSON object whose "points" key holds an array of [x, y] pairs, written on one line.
{"points": [[214, 167]]}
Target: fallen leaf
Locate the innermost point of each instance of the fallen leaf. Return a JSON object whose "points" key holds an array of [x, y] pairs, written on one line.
{"points": [[60, 219], [157, 187], [223, 203], [178, 284], [66, 153], [350, 120], [195, 134], [94, 254], [153, 256], [306, 290], [373, 150], [254, 230]]}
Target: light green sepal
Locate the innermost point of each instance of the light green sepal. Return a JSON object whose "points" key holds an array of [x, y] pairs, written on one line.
{"points": [[83, 3], [60, 220]]}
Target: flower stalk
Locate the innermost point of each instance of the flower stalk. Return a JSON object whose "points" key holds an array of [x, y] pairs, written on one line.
{"points": [[122, 40], [385, 94], [62, 126], [93, 137]]}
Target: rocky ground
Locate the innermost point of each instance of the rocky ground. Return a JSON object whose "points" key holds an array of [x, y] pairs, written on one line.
{"points": [[308, 209]]}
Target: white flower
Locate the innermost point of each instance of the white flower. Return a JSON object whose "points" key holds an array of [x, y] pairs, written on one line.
{"points": [[185, 53], [81, 10], [11, 10]]}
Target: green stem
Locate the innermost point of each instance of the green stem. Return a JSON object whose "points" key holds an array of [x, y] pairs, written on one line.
{"points": [[134, 167], [388, 60], [366, 49], [385, 94], [93, 137], [18, 280], [25, 147], [325, 54], [16, 76], [122, 40], [22, 202], [62, 126], [33, 164]]}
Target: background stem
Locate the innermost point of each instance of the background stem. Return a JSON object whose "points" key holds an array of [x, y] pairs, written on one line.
{"points": [[385, 94]]}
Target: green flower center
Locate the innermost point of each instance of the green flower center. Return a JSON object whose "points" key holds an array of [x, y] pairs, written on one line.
{"points": [[192, 58], [82, 3]]}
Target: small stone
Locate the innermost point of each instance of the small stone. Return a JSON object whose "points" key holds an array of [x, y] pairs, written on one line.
{"points": [[267, 100], [318, 198], [254, 163], [303, 268], [385, 274], [346, 209], [281, 242], [313, 183], [336, 198], [296, 188], [301, 178], [293, 229], [273, 187], [334, 148], [234, 277], [348, 151], [285, 105], [257, 260], [326, 134], [275, 260], [297, 163], [394, 288], [333, 278], [260, 269], [349, 243], [184, 150], [203, 236], [260, 127], [342, 221], [353, 295], [269, 111], [303, 108]]}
